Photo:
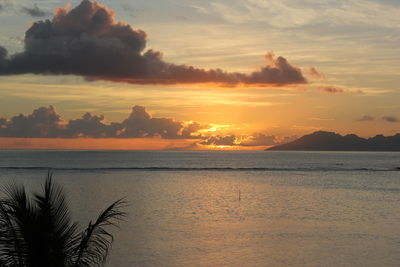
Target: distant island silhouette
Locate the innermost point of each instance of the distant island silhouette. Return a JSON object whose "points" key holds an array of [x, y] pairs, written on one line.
{"points": [[330, 141]]}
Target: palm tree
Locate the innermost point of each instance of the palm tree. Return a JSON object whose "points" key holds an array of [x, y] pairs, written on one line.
{"points": [[38, 231]]}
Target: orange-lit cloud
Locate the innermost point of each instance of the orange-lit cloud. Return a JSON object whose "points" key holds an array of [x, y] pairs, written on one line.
{"points": [[254, 140], [87, 41], [45, 123]]}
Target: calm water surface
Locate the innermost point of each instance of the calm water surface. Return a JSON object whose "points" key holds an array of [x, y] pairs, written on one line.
{"points": [[296, 208]]}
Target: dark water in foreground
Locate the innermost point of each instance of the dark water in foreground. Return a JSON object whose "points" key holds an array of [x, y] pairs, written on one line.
{"points": [[296, 208]]}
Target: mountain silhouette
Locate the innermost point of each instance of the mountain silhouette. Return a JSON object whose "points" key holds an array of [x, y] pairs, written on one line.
{"points": [[330, 141]]}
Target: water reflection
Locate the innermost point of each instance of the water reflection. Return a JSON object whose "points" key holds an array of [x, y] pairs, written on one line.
{"points": [[196, 219]]}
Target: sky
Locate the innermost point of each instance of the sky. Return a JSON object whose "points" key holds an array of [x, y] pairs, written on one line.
{"points": [[179, 74]]}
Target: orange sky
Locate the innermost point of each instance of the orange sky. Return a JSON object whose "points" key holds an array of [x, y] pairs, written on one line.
{"points": [[349, 59], [111, 144]]}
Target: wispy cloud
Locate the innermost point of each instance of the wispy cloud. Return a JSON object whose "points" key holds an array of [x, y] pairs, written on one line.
{"points": [[338, 90], [290, 14], [331, 89], [35, 11], [315, 73], [366, 118], [390, 119]]}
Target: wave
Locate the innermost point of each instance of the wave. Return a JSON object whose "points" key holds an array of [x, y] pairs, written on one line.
{"points": [[320, 169]]}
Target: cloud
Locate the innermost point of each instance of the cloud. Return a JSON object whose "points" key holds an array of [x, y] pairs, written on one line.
{"points": [[315, 74], [3, 123], [141, 124], [3, 55], [390, 119], [218, 140], [34, 11], [366, 118], [262, 139], [256, 139], [45, 122], [337, 90], [91, 126], [3, 4], [259, 139], [192, 129], [88, 41], [331, 89]]}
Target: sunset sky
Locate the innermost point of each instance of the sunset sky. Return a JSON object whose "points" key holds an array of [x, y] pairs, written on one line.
{"points": [[188, 74]]}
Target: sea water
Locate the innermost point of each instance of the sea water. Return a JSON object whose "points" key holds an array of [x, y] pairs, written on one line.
{"points": [[220, 208]]}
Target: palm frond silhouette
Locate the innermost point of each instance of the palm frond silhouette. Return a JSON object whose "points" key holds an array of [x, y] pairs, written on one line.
{"points": [[39, 232]]}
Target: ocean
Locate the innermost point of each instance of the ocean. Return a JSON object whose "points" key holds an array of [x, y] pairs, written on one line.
{"points": [[231, 208]]}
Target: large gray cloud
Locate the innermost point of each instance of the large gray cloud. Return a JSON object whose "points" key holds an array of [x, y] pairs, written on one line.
{"points": [[91, 126], [87, 41], [141, 124], [45, 122]]}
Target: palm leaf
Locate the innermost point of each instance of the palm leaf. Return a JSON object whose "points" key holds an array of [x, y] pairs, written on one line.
{"points": [[15, 213], [96, 240], [54, 228], [9, 249], [39, 232]]}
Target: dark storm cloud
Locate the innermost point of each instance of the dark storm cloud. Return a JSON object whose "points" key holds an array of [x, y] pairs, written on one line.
{"points": [[91, 126], [3, 123], [366, 118], [141, 124], [45, 122], [390, 119], [87, 41], [193, 128], [34, 11], [3, 55]]}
